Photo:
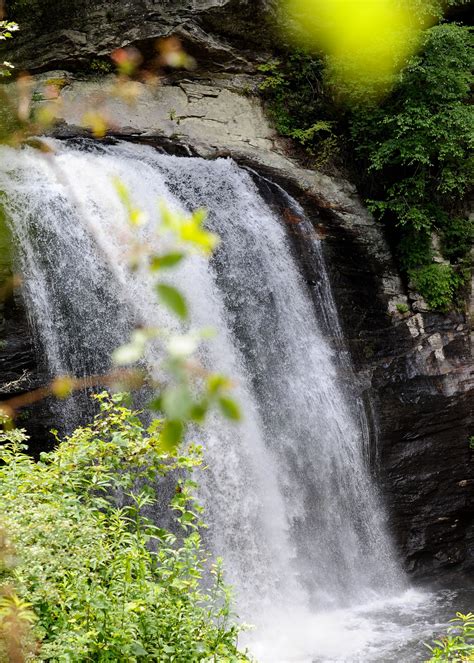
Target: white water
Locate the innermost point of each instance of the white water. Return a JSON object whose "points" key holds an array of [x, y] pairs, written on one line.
{"points": [[291, 505]]}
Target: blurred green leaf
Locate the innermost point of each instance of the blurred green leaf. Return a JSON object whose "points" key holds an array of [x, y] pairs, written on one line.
{"points": [[165, 261], [171, 435], [177, 402], [229, 408], [199, 411], [216, 382], [173, 299]]}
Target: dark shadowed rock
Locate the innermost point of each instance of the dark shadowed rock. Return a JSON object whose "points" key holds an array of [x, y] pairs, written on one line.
{"points": [[21, 368], [70, 34]]}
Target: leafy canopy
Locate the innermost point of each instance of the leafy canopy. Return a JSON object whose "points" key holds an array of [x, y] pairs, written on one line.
{"points": [[417, 147]]}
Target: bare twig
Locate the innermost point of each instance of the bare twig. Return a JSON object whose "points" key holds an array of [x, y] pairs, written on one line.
{"points": [[64, 386]]}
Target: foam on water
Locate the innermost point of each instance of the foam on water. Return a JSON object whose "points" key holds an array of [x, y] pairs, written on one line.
{"points": [[383, 631]]}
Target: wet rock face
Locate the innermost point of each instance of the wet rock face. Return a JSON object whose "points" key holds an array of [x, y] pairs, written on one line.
{"points": [[21, 368], [413, 366], [428, 476], [22, 371], [416, 369]]}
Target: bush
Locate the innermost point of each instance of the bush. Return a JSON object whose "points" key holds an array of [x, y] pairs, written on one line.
{"points": [[105, 583], [402, 308], [456, 237], [437, 283], [458, 644]]}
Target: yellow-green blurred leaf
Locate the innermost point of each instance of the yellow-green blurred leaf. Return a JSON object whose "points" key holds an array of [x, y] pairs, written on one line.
{"points": [[171, 435], [229, 408], [216, 382], [165, 261], [366, 42], [96, 122], [177, 402], [137, 217], [173, 299]]}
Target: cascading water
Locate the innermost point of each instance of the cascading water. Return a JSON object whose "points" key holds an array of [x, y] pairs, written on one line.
{"points": [[288, 496]]}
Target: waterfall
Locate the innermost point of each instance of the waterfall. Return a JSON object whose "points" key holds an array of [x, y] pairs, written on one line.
{"points": [[288, 495]]}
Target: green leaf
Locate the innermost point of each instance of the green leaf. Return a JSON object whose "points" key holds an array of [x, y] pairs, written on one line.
{"points": [[188, 517], [199, 411], [216, 383], [156, 404], [229, 408], [165, 261], [138, 650], [173, 299], [171, 435]]}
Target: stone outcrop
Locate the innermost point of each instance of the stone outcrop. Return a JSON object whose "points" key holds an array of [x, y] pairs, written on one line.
{"points": [[222, 34], [412, 365]]}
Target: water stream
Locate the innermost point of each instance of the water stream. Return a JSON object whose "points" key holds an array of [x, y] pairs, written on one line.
{"points": [[289, 498]]}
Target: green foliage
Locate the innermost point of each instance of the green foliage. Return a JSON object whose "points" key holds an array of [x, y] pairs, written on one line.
{"points": [[434, 8], [424, 130], [418, 147], [185, 395], [456, 236], [105, 583], [95, 579], [438, 283], [414, 247], [293, 86], [414, 150], [6, 30], [458, 645], [173, 299], [402, 308]]}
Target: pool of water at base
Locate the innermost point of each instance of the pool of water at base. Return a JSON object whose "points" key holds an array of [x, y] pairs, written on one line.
{"points": [[393, 630]]}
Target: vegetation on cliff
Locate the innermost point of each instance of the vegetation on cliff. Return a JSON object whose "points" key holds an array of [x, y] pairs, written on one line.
{"points": [[417, 151], [411, 153]]}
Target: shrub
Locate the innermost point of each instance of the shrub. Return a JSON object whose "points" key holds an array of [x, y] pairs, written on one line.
{"points": [[101, 66], [458, 644], [437, 283], [103, 581], [456, 236], [402, 308]]}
